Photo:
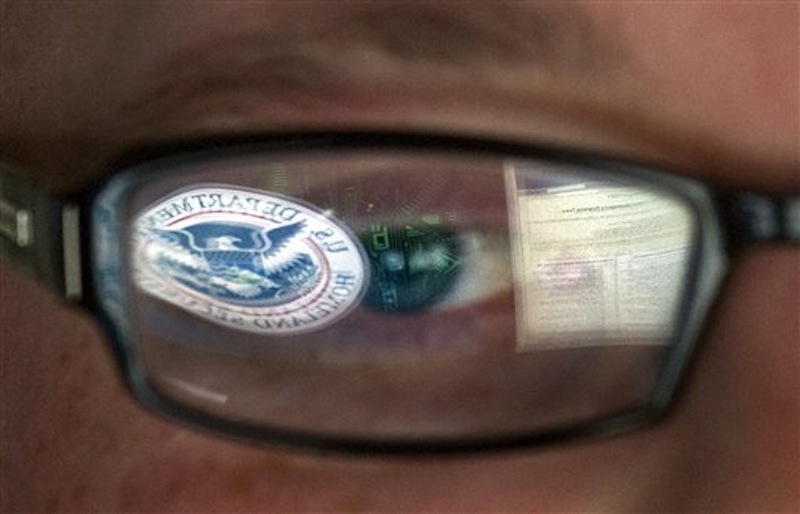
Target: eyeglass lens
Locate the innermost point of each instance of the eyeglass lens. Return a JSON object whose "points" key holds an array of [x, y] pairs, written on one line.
{"points": [[402, 295]]}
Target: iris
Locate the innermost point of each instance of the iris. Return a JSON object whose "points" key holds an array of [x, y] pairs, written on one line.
{"points": [[412, 267]]}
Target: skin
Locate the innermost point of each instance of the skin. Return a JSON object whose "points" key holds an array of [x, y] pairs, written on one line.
{"points": [[709, 87]]}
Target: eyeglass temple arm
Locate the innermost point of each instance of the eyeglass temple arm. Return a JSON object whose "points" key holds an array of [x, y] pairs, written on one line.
{"points": [[39, 233], [753, 218]]}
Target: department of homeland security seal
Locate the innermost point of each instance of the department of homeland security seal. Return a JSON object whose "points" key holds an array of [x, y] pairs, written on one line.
{"points": [[248, 260]]}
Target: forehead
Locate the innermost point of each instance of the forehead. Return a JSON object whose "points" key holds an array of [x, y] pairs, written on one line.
{"points": [[88, 78]]}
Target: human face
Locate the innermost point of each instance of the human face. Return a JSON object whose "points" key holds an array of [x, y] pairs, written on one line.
{"points": [[697, 86]]}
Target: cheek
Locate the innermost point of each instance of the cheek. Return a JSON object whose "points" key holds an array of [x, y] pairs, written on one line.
{"points": [[741, 414], [70, 420], [79, 441], [73, 440], [80, 444], [759, 316]]}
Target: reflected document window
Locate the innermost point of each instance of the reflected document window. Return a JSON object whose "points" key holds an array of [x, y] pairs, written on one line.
{"points": [[596, 262]]}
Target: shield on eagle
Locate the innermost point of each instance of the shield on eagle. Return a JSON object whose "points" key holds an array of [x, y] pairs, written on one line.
{"points": [[239, 263]]}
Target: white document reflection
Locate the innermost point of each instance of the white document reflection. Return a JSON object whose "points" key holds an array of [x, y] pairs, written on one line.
{"points": [[594, 262]]}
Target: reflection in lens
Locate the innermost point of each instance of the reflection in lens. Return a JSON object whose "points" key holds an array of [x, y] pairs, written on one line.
{"points": [[413, 267], [596, 261], [527, 298]]}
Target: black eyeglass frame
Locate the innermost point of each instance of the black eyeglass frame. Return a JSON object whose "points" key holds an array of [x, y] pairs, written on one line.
{"points": [[51, 238]]}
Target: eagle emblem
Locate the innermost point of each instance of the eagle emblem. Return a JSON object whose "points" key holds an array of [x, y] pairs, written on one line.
{"points": [[237, 263], [249, 260]]}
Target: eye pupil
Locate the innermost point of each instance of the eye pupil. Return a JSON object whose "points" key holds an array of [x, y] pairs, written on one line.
{"points": [[413, 267], [393, 260]]}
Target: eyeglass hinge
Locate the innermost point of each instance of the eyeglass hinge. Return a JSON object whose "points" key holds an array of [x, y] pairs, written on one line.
{"points": [[39, 234], [16, 223], [757, 218], [791, 217]]}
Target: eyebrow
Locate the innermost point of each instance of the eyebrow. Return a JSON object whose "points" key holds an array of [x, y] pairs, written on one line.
{"points": [[319, 55]]}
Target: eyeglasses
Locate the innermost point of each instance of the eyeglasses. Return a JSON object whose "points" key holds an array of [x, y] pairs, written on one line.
{"points": [[383, 292]]}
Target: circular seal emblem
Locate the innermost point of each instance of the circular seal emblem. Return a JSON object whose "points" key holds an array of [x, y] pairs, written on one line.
{"points": [[248, 260]]}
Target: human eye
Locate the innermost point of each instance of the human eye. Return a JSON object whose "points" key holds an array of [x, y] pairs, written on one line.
{"points": [[429, 266], [435, 234]]}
